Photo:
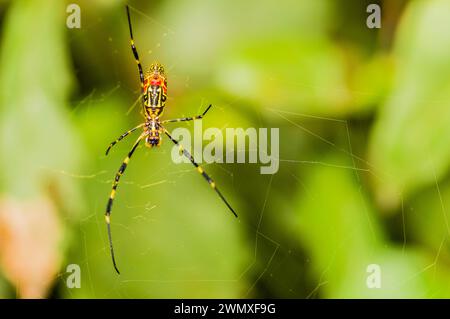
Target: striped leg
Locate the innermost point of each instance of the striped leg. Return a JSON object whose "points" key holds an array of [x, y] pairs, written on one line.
{"points": [[184, 119], [122, 136], [133, 48], [113, 194], [200, 170]]}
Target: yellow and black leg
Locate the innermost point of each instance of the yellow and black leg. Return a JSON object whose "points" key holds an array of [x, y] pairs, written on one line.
{"points": [[200, 170], [184, 119], [122, 136], [133, 48], [113, 195]]}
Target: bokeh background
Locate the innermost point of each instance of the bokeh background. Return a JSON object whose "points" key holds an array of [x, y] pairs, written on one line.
{"points": [[364, 118]]}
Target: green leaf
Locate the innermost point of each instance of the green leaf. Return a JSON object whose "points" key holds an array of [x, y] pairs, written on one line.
{"points": [[37, 137], [410, 144], [337, 226]]}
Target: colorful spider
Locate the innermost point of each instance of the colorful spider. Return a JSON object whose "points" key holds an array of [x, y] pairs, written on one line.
{"points": [[154, 91]]}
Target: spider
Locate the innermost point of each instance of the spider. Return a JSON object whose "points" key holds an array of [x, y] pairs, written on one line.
{"points": [[154, 95]]}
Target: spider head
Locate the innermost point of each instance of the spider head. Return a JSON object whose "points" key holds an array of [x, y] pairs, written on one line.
{"points": [[152, 141], [155, 86], [153, 138]]}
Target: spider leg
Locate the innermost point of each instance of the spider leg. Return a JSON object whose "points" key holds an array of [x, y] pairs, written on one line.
{"points": [[122, 136], [113, 194], [133, 48], [200, 170], [184, 119]]}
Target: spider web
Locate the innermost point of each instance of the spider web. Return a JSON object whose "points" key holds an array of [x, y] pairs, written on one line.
{"points": [[259, 268], [271, 263]]}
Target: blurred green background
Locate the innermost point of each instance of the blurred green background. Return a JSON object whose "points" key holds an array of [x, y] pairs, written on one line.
{"points": [[364, 118]]}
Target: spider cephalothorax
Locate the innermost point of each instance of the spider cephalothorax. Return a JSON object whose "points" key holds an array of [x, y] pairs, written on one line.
{"points": [[154, 91], [153, 131]]}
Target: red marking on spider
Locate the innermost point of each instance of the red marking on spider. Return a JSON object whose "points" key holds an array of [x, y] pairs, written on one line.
{"points": [[155, 82]]}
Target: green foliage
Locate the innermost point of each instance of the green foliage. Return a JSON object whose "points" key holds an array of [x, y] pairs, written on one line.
{"points": [[37, 136], [411, 139], [364, 122]]}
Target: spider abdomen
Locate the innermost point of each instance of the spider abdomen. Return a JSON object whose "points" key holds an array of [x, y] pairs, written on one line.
{"points": [[155, 91], [153, 112]]}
